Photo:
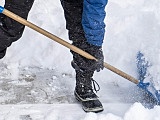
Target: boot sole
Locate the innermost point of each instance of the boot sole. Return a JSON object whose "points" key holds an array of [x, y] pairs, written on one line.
{"points": [[89, 109]]}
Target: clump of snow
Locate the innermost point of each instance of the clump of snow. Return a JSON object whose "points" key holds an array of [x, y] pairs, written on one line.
{"points": [[137, 111]]}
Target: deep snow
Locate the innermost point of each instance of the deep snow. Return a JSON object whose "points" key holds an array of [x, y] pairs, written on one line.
{"points": [[37, 81]]}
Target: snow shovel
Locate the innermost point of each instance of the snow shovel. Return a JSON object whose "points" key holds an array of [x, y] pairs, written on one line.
{"points": [[73, 48]]}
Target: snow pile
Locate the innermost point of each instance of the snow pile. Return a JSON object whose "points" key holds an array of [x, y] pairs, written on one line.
{"points": [[33, 49], [54, 112], [136, 112]]}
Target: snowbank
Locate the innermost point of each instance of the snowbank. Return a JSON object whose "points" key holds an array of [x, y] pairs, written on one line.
{"points": [[61, 112]]}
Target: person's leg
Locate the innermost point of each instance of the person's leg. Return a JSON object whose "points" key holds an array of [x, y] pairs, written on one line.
{"points": [[84, 68], [73, 14], [10, 30], [93, 21]]}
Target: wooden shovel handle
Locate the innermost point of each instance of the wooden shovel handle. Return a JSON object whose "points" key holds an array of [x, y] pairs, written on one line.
{"points": [[66, 44]]}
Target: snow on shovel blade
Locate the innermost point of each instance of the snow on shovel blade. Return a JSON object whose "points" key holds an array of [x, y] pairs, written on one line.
{"points": [[145, 79]]}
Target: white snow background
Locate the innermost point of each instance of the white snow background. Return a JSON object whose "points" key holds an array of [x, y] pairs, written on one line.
{"points": [[37, 80]]}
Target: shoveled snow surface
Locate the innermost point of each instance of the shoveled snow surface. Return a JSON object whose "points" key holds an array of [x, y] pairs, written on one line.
{"points": [[59, 112], [37, 80]]}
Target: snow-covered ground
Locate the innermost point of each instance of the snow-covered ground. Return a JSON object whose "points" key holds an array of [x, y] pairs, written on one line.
{"points": [[37, 81]]}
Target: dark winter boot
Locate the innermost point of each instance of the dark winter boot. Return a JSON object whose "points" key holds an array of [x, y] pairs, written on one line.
{"points": [[83, 89], [84, 92]]}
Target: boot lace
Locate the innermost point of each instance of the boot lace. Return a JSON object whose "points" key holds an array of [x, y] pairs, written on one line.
{"points": [[94, 85], [95, 88]]}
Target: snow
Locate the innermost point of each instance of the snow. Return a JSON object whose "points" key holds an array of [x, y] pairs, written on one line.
{"points": [[37, 80]]}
